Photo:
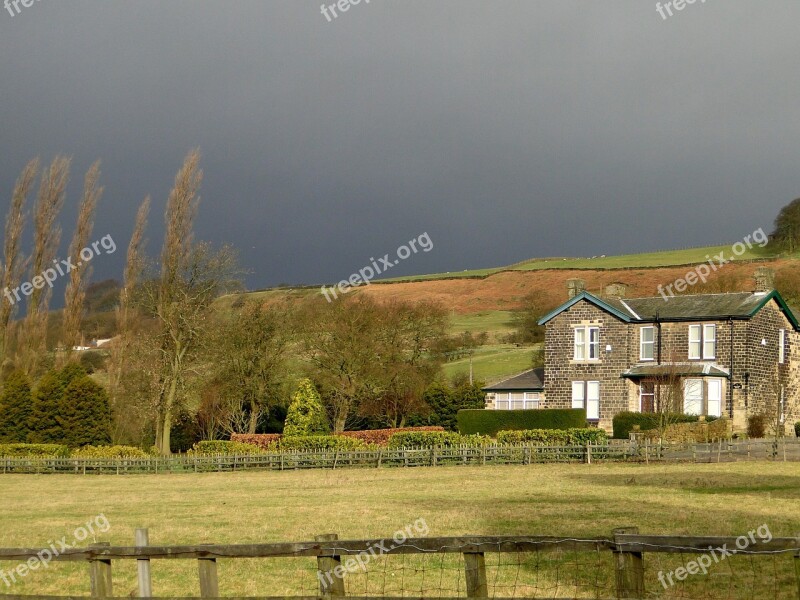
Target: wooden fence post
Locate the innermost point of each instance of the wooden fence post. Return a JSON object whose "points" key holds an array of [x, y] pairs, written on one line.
{"points": [[475, 575], [142, 540], [330, 584], [588, 453], [209, 582], [100, 574], [628, 567], [797, 567]]}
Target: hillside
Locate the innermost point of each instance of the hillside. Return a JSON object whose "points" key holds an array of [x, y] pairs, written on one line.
{"points": [[484, 300]]}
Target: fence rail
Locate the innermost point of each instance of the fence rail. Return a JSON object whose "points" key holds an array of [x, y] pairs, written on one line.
{"points": [[621, 556], [783, 450]]}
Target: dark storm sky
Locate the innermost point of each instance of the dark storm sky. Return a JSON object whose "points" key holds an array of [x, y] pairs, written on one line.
{"points": [[506, 130]]}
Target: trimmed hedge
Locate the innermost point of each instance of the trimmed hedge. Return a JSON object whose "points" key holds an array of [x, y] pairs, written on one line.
{"points": [[490, 422], [264, 441], [379, 437], [623, 422], [207, 447], [554, 437], [109, 452], [319, 442], [797, 429], [31, 450], [436, 439], [382, 436]]}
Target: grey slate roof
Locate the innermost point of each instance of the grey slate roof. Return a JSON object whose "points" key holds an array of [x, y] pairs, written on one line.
{"points": [[735, 305], [702, 306], [530, 381], [675, 369]]}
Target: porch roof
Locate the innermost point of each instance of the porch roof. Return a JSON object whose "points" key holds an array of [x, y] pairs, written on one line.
{"points": [[674, 370]]}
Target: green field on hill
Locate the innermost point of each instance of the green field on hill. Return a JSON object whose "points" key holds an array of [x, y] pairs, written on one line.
{"points": [[666, 258], [493, 362]]}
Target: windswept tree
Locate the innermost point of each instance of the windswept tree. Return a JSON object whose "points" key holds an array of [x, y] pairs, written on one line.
{"points": [[79, 276], [13, 259], [120, 361], [32, 343], [179, 298]]}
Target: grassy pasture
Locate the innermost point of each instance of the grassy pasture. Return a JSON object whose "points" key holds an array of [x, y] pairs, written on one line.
{"points": [[493, 362], [562, 500]]}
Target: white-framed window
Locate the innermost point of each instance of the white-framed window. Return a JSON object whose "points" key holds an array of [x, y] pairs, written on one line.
{"points": [[532, 400], [783, 404], [709, 341], [703, 397], [587, 343], [586, 394], [647, 342], [714, 401], [702, 341], [516, 400], [782, 346], [693, 397]]}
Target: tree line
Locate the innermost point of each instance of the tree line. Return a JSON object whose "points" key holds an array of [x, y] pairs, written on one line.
{"points": [[191, 354]]}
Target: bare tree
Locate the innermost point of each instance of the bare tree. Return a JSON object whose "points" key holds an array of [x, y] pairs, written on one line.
{"points": [[75, 294], [13, 259], [47, 236], [249, 352], [179, 298]]}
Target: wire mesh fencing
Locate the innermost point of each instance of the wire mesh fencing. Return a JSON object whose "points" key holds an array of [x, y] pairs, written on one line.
{"points": [[623, 565]]}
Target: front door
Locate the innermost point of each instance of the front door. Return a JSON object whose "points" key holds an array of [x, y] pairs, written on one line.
{"points": [[647, 397]]}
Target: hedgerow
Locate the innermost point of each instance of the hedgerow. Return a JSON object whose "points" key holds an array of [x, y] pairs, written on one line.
{"points": [[210, 447], [490, 422], [437, 439], [264, 441], [108, 452], [313, 443], [624, 422], [34, 450], [554, 437]]}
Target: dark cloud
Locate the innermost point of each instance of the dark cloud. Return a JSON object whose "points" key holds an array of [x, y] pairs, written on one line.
{"points": [[505, 130]]}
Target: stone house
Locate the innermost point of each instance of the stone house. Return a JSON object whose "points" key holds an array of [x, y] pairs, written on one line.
{"points": [[732, 354]]}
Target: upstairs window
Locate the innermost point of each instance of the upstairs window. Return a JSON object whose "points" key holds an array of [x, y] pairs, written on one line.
{"points": [[702, 342], [647, 342], [587, 343], [782, 346]]}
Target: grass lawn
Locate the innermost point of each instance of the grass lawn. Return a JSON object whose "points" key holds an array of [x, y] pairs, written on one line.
{"points": [[562, 500], [493, 363], [494, 322]]}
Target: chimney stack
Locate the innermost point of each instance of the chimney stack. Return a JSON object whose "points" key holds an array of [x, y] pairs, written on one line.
{"points": [[575, 287], [765, 279], [616, 290]]}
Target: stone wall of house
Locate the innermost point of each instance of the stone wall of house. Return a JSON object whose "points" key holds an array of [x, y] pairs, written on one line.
{"points": [[763, 391], [561, 369]]}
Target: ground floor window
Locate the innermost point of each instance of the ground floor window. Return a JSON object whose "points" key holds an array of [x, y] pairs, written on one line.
{"points": [[702, 397], [517, 400], [586, 395]]}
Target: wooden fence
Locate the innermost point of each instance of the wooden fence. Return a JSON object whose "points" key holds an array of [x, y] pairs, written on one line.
{"points": [[784, 450], [625, 549]]}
